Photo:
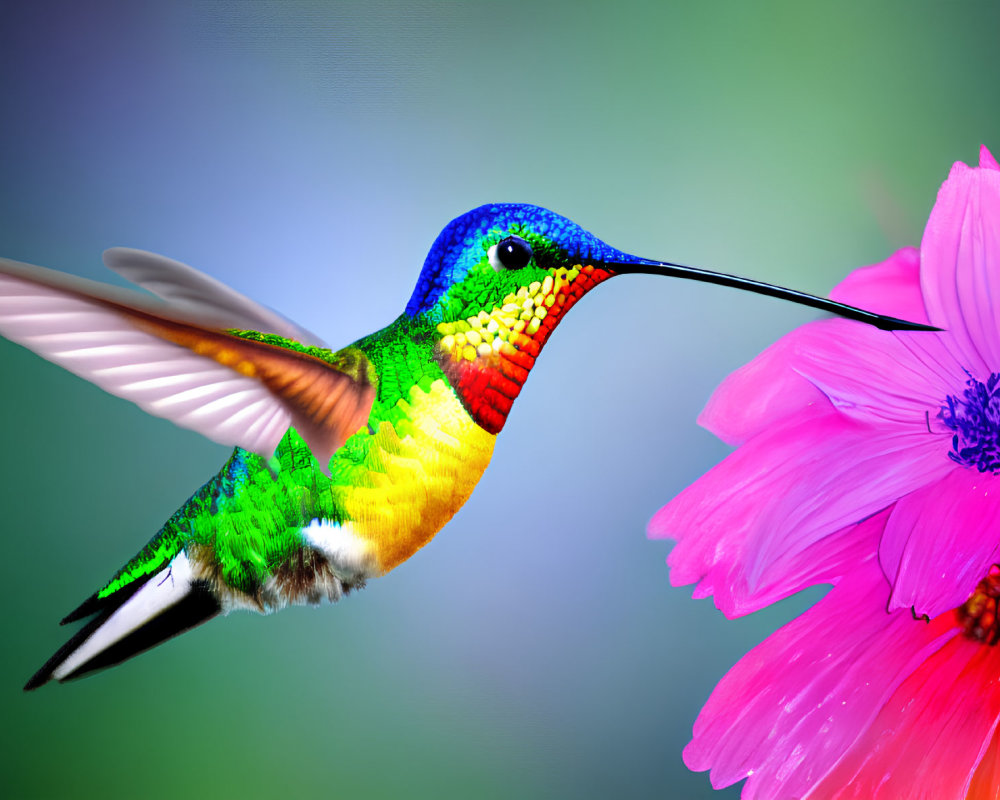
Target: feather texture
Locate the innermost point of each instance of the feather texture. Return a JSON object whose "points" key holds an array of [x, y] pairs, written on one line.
{"points": [[188, 289], [234, 390]]}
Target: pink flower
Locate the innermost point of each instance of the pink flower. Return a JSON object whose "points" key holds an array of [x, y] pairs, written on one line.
{"points": [[851, 701], [869, 460]]}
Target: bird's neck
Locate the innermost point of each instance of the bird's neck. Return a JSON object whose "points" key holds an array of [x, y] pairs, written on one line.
{"points": [[487, 355]]}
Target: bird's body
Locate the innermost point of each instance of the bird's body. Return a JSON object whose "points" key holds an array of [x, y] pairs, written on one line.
{"points": [[271, 531], [346, 462], [264, 533]]}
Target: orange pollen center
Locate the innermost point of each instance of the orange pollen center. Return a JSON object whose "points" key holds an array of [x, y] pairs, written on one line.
{"points": [[978, 615]]}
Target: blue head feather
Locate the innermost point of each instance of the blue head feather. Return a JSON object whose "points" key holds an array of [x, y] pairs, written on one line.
{"points": [[459, 246]]}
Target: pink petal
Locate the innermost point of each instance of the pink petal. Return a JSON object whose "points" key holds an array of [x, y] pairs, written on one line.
{"points": [[845, 480], [891, 287], [986, 160], [877, 375], [929, 738], [744, 527], [791, 708], [768, 389], [824, 561], [959, 252], [760, 394], [941, 540]]}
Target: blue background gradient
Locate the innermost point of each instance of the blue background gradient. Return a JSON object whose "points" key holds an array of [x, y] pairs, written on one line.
{"points": [[308, 154]]}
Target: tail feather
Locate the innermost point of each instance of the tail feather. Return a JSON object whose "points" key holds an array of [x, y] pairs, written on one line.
{"points": [[96, 604], [44, 675], [87, 608], [168, 603]]}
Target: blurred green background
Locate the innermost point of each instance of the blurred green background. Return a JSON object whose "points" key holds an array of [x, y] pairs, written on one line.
{"points": [[308, 154]]}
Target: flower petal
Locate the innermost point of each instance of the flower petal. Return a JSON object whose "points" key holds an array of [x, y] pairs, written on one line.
{"points": [[986, 160], [931, 735], [891, 287], [941, 540], [959, 254], [760, 394], [877, 375], [845, 480], [790, 709], [744, 526], [768, 389], [986, 782], [824, 561], [827, 560]]}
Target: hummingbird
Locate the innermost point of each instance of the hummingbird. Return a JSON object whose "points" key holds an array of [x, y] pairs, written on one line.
{"points": [[346, 462]]}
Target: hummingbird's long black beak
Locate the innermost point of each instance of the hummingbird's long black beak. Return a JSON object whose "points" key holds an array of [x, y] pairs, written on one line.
{"points": [[646, 267]]}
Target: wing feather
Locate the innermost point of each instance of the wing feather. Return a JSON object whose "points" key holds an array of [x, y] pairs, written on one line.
{"points": [[233, 390], [188, 289]]}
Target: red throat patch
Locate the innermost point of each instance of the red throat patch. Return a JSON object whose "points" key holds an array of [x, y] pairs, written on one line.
{"points": [[488, 357]]}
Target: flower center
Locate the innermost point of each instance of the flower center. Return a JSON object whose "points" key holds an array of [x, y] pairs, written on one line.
{"points": [[975, 420], [978, 615]]}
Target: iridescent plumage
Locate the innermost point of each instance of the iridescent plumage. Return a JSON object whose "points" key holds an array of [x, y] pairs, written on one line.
{"points": [[346, 462]]}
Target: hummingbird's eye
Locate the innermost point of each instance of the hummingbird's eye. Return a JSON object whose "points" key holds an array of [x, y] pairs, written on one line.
{"points": [[510, 253]]}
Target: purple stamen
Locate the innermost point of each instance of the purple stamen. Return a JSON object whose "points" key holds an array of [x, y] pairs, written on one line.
{"points": [[975, 419]]}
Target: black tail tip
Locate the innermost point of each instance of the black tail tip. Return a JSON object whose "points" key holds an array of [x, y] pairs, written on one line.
{"points": [[40, 678], [197, 606], [89, 606], [44, 675]]}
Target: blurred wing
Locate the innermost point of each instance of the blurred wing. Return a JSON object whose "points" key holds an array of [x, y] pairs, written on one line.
{"points": [[193, 292], [233, 390]]}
